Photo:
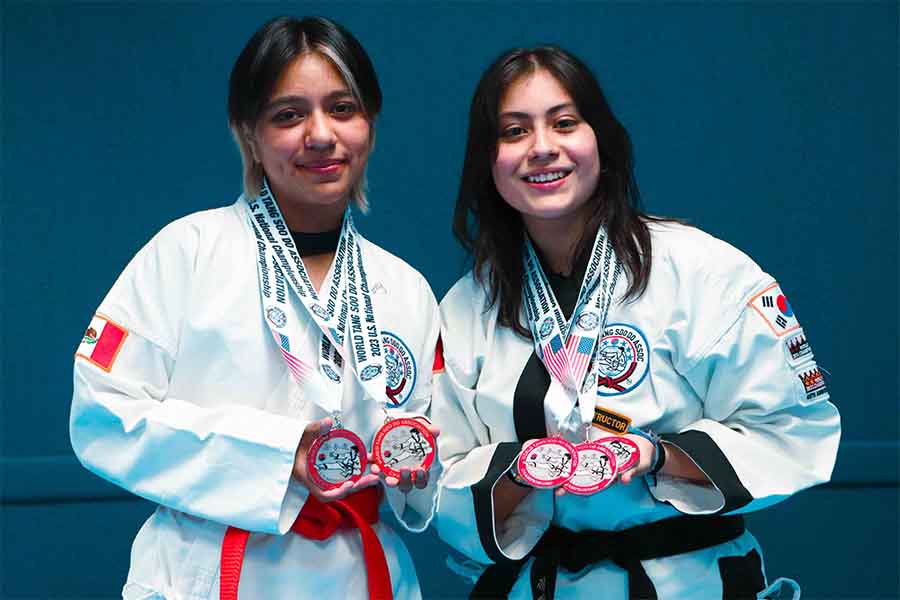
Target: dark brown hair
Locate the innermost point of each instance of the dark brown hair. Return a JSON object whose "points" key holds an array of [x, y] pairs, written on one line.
{"points": [[493, 232], [269, 52]]}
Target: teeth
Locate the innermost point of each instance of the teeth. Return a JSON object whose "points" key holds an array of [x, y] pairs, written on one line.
{"points": [[545, 177]]}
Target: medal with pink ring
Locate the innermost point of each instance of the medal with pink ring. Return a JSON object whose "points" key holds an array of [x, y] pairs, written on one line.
{"points": [[547, 462], [626, 452], [403, 442], [597, 469], [336, 457]]}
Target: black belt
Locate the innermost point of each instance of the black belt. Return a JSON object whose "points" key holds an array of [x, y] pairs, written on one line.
{"points": [[573, 551]]}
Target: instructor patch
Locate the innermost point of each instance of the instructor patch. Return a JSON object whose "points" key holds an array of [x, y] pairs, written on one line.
{"points": [[401, 369], [624, 359], [773, 306], [610, 421], [101, 342]]}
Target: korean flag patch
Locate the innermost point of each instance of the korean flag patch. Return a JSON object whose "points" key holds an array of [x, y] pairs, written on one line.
{"points": [[773, 306]]}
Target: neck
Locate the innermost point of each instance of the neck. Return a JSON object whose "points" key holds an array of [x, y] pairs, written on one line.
{"points": [[302, 217], [556, 240]]}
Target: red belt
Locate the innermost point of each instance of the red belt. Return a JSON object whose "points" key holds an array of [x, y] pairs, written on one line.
{"points": [[318, 521]]}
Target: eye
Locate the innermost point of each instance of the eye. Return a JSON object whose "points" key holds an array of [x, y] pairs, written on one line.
{"points": [[566, 123], [344, 109], [512, 132], [287, 116]]}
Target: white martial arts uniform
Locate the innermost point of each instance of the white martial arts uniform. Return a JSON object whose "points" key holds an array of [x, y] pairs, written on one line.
{"points": [[711, 356], [199, 414]]}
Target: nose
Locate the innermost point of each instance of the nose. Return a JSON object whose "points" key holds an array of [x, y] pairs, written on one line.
{"points": [[319, 134], [544, 146]]}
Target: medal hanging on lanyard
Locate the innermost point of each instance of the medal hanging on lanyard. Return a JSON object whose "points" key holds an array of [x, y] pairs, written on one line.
{"points": [[345, 315], [567, 349], [404, 442], [339, 455]]}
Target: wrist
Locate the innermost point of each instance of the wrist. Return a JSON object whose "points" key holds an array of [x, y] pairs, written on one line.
{"points": [[659, 458], [513, 476]]}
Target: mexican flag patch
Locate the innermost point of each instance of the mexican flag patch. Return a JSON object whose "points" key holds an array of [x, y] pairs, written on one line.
{"points": [[101, 342]]}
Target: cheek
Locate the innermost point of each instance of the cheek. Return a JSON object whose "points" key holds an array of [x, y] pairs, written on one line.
{"points": [[356, 136], [276, 144], [585, 153]]}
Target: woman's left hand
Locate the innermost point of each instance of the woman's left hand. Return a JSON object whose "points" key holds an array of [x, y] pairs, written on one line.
{"points": [[409, 478], [645, 463]]}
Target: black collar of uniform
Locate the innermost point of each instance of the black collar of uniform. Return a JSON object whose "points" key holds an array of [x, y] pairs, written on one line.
{"points": [[320, 242]]}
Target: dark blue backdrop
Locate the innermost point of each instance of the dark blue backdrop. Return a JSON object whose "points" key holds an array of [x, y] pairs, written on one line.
{"points": [[772, 125]]}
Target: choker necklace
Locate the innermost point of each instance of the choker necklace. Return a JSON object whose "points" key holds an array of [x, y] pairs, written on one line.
{"points": [[320, 242]]}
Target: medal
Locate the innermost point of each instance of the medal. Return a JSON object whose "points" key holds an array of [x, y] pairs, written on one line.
{"points": [[336, 457], [626, 452], [405, 442], [597, 469], [547, 462]]}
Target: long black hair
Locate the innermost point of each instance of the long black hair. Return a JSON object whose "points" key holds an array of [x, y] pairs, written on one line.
{"points": [[493, 232]]}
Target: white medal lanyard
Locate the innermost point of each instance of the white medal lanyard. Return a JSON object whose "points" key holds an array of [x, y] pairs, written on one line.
{"points": [[343, 310], [568, 348]]}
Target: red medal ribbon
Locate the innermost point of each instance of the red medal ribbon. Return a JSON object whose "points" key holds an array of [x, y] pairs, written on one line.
{"points": [[319, 521]]}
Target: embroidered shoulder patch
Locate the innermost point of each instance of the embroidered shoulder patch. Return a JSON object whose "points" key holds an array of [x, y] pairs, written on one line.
{"points": [[798, 348], [772, 305], [102, 342], [813, 383]]}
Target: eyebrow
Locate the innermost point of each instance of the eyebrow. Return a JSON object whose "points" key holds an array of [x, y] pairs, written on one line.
{"points": [[552, 110], [286, 100]]}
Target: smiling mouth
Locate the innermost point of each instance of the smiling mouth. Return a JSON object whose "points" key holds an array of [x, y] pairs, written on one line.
{"points": [[548, 177]]}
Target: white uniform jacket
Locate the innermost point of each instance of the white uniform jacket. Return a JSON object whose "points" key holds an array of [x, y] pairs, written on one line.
{"points": [[711, 356], [199, 414]]}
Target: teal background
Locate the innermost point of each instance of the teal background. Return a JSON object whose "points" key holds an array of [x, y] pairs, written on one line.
{"points": [[771, 125]]}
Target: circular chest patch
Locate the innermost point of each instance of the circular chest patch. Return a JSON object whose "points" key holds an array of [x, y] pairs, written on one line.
{"points": [[624, 357], [401, 369]]}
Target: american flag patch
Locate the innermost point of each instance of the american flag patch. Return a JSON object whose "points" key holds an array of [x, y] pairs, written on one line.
{"points": [[555, 358], [579, 353], [299, 369]]}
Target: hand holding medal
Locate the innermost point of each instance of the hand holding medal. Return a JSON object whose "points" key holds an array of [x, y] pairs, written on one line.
{"points": [[403, 451], [331, 463]]}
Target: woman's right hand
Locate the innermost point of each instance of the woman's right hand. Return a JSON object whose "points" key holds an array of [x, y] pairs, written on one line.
{"points": [[301, 473]]}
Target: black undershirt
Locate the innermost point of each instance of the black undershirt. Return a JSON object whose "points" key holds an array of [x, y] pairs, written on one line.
{"points": [[313, 244]]}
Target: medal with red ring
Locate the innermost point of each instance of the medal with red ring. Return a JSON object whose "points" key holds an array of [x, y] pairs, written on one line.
{"points": [[336, 457], [547, 462], [597, 469], [626, 452], [404, 442]]}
